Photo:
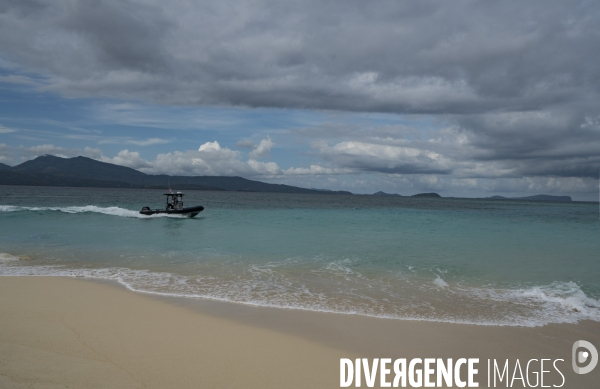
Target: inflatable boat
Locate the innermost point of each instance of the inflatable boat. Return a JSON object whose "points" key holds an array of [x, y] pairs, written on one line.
{"points": [[174, 206]]}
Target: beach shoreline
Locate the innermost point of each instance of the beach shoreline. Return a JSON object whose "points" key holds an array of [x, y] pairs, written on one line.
{"points": [[59, 332]]}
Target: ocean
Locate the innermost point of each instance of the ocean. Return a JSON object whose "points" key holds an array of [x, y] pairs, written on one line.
{"points": [[486, 262]]}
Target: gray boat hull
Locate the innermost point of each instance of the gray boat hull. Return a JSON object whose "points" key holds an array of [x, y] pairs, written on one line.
{"points": [[190, 211]]}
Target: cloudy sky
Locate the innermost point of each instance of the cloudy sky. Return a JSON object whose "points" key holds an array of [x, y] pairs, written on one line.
{"points": [[465, 98]]}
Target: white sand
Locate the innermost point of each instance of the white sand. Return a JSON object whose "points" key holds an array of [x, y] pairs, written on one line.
{"points": [[59, 332]]}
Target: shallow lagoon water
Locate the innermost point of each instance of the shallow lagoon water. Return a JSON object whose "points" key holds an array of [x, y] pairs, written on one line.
{"points": [[457, 260]]}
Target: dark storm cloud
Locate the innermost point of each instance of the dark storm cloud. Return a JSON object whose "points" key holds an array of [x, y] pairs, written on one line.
{"points": [[428, 57], [21, 7], [125, 35], [519, 81], [562, 141]]}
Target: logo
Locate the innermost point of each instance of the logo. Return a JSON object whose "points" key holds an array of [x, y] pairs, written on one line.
{"points": [[582, 356]]}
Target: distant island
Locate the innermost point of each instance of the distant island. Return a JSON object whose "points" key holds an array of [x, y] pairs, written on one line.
{"points": [[433, 195], [380, 193], [422, 195], [49, 170], [540, 197]]}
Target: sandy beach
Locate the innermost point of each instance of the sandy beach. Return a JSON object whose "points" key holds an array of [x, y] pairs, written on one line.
{"points": [[246, 194], [58, 332]]}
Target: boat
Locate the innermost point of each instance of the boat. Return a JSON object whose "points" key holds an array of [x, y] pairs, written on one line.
{"points": [[174, 206]]}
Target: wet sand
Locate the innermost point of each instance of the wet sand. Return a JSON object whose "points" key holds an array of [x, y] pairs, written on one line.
{"points": [[58, 332]]}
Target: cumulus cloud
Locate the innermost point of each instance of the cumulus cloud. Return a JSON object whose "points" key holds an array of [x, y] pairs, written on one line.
{"points": [[263, 149], [383, 158], [244, 144], [265, 168], [211, 159], [213, 147], [127, 158]]}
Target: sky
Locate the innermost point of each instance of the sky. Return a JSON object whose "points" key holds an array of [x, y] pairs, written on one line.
{"points": [[462, 98]]}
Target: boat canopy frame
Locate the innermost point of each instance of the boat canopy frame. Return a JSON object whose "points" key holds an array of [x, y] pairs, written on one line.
{"points": [[174, 200]]}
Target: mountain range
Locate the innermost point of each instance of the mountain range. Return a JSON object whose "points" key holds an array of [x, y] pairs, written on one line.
{"points": [[49, 170]]}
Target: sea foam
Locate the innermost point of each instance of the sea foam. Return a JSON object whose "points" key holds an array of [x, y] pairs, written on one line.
{"points": [[558, 302], [113, 211], [440, 282]]}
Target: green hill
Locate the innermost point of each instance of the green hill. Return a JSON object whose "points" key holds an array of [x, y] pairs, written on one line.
{"points": [[430, 195], [49, 170]]}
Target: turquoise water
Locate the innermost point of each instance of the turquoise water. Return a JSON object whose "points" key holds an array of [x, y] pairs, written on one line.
{"points": [[457, 260]]}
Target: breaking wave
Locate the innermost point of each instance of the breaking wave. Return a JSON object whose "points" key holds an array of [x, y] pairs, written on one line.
{"points": [[263, 285]]}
